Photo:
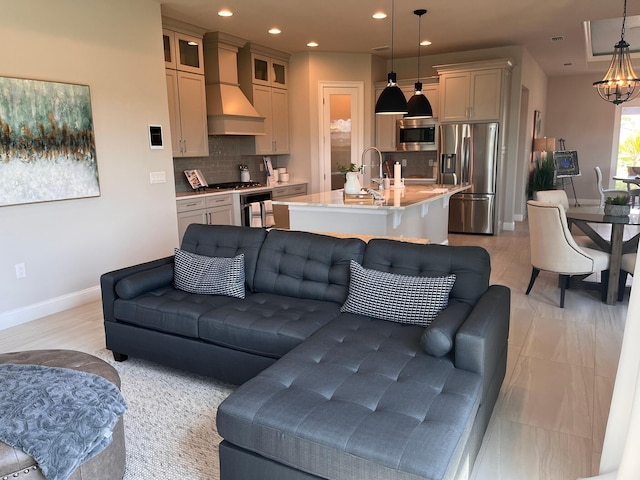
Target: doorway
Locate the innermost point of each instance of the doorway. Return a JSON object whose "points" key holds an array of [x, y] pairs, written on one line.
{"points": [[341, 130], [628, 143]]}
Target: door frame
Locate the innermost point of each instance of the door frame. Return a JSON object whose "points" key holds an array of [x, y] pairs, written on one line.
{"points": [[326, 88]]}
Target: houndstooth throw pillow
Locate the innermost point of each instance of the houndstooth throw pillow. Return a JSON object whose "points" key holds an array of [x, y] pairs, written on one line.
{"points": [[398, 298], [195, 273]]}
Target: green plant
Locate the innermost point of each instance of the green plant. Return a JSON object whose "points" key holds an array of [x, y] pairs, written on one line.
{"points": [[543, 175], [617, 200], [351, 168]]}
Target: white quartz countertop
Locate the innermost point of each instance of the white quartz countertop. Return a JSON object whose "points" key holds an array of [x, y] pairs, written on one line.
{"points": [[264, 188], [401, 198]]}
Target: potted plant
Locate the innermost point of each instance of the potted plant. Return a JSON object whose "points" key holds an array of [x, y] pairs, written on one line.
{"points": [[351, 184], [617, 206], [543, 175]]}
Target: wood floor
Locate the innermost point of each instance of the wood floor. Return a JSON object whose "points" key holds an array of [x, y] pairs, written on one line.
{"points": [[551, 415]]}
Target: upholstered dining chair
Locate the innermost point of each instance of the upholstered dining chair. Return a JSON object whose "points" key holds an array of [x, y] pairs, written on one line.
{"points": [[606, 192], [559, 197], [627, 266], [553, 248]]}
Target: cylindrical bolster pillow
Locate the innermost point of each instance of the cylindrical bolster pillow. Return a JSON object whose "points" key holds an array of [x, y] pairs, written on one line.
{"points": [[142, 282], [438, 337]]}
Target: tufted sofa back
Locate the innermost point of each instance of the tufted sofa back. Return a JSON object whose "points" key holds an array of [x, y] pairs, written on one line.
{"points": [[226, 241], [306, 265], [471, 265]]}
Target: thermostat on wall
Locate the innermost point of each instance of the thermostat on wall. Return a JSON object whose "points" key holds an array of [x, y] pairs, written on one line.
{"points": [[155, 137]]}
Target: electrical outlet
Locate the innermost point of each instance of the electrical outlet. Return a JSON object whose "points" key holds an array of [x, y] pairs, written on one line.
{"points": [[261, 167], [157, 177], [21, 270], [404, 162]]}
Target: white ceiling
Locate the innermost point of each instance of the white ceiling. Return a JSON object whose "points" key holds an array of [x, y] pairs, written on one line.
{"points": [[452, 25]]}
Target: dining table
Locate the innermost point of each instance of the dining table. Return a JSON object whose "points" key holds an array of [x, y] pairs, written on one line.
{"points": [[617, 242]]}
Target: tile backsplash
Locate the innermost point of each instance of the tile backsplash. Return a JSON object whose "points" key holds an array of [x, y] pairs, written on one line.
{"points": [[225, 154]]}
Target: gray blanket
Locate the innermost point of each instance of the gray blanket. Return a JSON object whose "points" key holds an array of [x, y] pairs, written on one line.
{"points": [[61, 417]]}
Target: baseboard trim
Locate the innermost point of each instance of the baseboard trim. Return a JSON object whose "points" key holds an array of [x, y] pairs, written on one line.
{"points": [[508, 226], [48, 307]]}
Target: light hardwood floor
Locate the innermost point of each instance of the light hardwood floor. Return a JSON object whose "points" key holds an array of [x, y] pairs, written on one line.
{"points": [[551, 415]]}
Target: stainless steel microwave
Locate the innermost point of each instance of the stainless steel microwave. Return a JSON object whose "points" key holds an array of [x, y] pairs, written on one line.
{"points": [[416, 134]]}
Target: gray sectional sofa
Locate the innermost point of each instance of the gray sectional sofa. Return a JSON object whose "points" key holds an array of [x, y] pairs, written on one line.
{"points": [[327, 393]]}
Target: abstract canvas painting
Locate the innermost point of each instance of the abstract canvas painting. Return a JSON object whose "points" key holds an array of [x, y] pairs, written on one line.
{"points": [[47, 147]]}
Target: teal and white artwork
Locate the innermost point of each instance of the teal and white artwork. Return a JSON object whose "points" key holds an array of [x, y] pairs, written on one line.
{"points": [[47, 147]]}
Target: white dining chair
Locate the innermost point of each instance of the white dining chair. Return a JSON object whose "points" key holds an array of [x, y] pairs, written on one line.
{"points": [[559, 197], [634, 193], [606, 192], [627, 267], [553, 249]]}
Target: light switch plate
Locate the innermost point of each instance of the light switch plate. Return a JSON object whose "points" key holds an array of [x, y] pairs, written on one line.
{"points": [[157, 177]]}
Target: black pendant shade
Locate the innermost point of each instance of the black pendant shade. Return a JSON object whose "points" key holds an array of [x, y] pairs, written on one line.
{"points": [[391, 101], [418, 105]]}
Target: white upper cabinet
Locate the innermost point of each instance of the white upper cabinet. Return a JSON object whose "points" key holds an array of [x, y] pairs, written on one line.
{"points": [[182, 52], [473, 91], [184, 68]]}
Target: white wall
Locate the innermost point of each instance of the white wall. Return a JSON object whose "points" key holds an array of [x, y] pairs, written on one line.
{"points": [[576, 113], [115, 48]]}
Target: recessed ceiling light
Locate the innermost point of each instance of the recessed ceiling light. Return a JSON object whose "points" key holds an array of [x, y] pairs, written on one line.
{"points": [[425, 42], [312, 44], [379, 15], [275, 31], [225, 12]]}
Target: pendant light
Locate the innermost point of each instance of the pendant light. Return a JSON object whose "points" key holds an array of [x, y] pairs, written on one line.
{"points": [[418, 105], [391, 101], [621, 83]]}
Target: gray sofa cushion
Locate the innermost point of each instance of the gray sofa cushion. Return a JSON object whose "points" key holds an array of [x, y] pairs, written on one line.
{"points": [[168, 310], [266, 324], [361, 396], [226, 241], [306, 265], [471, 265]]}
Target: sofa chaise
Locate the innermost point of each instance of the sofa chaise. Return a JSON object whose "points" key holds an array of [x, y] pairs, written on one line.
{"points": [[341, 376]]}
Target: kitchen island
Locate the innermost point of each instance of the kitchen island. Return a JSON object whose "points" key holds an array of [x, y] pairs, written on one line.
{"points": [[419, 211]]}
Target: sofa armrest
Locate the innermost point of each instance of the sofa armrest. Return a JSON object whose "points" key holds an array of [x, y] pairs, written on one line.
{"points": [[108, 281], [481, 341]]}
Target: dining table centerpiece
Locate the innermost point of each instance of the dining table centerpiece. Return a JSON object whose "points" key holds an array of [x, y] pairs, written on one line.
{"points": [[617, 206]]}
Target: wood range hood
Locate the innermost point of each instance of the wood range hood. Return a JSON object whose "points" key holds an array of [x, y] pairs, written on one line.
{"points": [[229, 112]]}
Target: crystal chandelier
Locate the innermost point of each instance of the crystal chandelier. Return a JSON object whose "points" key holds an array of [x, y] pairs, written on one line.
{"points": [[620, 84]]}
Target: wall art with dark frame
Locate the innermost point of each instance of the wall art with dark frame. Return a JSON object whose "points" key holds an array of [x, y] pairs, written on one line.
{"points": [[47, 146]]}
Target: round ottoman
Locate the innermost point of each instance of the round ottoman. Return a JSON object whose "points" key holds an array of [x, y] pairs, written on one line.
{"points": [[109, 464]]}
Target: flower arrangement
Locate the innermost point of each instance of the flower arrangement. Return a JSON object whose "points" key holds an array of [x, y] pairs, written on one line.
{"points": [[351, 168]]}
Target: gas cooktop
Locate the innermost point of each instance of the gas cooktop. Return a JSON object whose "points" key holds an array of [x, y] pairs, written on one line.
{"points": [[233, 185]]}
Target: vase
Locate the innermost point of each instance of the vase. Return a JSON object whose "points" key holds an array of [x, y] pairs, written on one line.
{"points": [[352, 185], [617, 210]]}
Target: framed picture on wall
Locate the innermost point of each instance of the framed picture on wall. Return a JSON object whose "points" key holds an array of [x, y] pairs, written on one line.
{"points": [[47, 147]]}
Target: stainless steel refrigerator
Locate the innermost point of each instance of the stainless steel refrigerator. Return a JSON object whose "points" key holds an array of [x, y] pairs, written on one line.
{"points": [[469, 154]]}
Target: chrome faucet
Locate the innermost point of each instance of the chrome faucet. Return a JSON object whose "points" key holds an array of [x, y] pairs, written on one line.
{"points": [[379, 179]]}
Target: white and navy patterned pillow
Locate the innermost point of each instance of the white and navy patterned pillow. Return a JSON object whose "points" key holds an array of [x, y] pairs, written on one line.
{"points": [[195, 273], [398, 298]]}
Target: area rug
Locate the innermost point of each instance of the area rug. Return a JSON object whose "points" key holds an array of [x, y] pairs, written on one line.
{"points": [[170, 428]]}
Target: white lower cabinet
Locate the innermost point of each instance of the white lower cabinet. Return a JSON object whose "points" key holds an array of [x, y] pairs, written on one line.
{"points": [[281, 212], [209, 210]]}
